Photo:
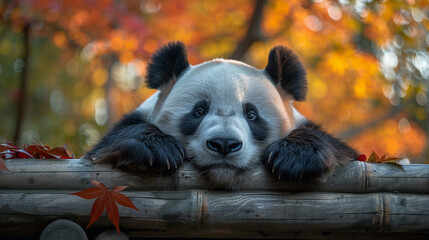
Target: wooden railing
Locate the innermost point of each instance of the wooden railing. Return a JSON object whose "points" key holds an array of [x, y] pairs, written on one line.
{"points": [[360, 201]]}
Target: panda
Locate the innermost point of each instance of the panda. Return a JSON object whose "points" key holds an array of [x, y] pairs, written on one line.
{"points": [[225, 117]]}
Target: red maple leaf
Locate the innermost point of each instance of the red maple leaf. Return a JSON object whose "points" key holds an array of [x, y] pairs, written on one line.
{"points": [[106, 199], [10, 151], [41, 151]]}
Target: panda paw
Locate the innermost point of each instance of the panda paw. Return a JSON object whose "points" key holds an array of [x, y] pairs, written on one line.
{"points": [[157, 152], [295, 160]]}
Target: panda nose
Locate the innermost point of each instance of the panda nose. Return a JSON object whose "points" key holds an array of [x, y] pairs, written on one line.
{"points": [[224, 145]]}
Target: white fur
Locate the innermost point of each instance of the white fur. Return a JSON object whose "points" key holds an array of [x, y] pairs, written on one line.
{"points": [[227, 85], [146, 108], [298, 118]]}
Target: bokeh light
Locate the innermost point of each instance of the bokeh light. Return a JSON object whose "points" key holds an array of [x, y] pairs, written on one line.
{"points": [[367, 63]]}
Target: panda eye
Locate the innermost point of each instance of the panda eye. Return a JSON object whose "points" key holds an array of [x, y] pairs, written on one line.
{"points": [[199, 112], [251, 115]]}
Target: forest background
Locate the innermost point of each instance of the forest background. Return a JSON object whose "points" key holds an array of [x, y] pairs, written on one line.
{"points": [[70, 68]]}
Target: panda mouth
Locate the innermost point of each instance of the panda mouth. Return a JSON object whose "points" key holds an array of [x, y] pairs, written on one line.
{"points": [[223, 166]]}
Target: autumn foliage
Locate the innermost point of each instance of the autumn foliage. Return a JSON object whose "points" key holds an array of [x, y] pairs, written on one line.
{"points": [[105, 199], [10, 151], [374, 158], [367, 62]]}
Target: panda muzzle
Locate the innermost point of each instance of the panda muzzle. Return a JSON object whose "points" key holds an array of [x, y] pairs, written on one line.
{"points": [[224, 146]]}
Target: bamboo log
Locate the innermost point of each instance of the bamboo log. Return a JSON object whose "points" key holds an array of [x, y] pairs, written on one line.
{"points": [[246, 214], [35, 192], [356, 177]]}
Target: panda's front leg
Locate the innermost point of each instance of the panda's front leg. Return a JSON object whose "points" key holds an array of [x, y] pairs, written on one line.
{"points": [[135, 141], [307, 154]]}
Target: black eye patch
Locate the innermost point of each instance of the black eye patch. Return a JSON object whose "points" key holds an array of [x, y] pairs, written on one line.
{"points": [[257, 124], [192, 119]]}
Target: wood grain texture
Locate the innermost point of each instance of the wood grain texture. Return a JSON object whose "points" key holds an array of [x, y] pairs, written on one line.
{"points": [[356, 177], [230, 214], [359, 201]]}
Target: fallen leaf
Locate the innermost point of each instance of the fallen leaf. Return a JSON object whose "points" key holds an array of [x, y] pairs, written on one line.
{"points": [[3, 165], [389, 159], [105, 199], [123, 200], [97, 208], [90, 193], [6, 146], [10, 151], [113, 212], [98, 184], [22, 153], [362, 158], [374, 158], [61, 152], [395, 164]]}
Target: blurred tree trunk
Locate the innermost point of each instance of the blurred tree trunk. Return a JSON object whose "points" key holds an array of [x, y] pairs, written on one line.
{"points": [[108, 62], [22, 96], [254, 32], [4, 31]]}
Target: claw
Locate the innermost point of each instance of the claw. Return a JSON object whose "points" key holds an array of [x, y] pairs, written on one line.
{"points": [[269, 157], [279, 177], [168, 165], [273, 169], [175, 165], [150, 162], [183, 153]]}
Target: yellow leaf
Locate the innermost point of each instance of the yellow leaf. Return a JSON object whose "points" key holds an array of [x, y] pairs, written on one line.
{"points": [[373, 158]]}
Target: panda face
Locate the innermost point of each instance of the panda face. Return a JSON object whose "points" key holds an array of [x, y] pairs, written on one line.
{"points": [[225, 113], [228, 118]]}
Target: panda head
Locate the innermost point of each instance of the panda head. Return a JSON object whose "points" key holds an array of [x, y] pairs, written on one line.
{"points": [[225, 112]]}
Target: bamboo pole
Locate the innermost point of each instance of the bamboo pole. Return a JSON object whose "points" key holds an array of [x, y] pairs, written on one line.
{"points": [[356, 177], [359, 200], [247, 214]]}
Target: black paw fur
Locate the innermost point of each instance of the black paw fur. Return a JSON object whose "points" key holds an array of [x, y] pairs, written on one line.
{"points": [[297, 161], [307, 154], [156, 152], [134, 142]]}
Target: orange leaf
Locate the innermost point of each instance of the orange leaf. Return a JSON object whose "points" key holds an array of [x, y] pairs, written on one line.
{"points": [[391, 159], [97, 208], [98, 184], [119, 188], [112, 212], [382, 158], [373, 158], [395, 164], [90, 193], [59, 152], [123, 200], [3, 165], [105, 200], [376, 155]]}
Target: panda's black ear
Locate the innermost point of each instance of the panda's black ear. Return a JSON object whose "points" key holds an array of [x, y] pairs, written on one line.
{"points": [[167, 63], [285, 68]]}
